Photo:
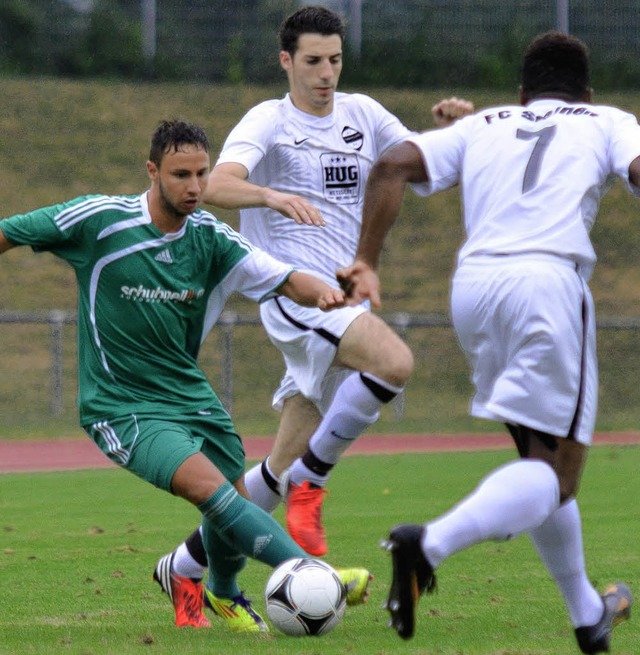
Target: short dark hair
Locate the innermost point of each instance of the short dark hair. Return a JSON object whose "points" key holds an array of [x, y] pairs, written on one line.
{"points": [[309, 20], [173, 134], [556, 64]]}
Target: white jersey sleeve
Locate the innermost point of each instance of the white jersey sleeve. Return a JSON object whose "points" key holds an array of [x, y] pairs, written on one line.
{"points": [[250, 140], [624, 147], [256, 276], [532, 177]]}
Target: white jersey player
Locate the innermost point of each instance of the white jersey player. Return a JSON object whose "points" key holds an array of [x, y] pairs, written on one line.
{"points": [[531, 178], [529, 207], [306, 157]]}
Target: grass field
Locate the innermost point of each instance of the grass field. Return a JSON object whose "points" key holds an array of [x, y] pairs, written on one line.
{"points": [[77, 550]]}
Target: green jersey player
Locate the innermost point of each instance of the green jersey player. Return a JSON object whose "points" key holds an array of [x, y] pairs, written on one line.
{"points": [[153, 273]]}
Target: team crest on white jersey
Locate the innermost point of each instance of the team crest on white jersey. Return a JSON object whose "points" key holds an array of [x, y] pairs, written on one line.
{"points": [[341, 177], [353, 137], [164, 257]]}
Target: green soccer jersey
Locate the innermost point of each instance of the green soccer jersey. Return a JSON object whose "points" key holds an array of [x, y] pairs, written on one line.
{"points": [[145, 299]]}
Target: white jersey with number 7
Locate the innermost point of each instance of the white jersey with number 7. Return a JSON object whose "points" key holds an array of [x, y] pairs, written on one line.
{"points": [[532, 176]]}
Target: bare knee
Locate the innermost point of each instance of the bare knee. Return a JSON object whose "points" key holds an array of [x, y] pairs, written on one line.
{"points": [[196, 479], [401, 363], [370, 345]]}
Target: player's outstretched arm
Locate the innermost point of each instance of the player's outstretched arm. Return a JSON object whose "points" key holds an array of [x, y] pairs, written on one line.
{"points": [[383, 196], [448, 111], [310, 291], [228, 187]]}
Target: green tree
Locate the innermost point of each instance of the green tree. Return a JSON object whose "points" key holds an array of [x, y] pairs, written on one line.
{"points": [[19, 26]]}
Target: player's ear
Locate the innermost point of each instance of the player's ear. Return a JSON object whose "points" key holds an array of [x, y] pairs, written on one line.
{"points": [[286, 61], [152, 170]]}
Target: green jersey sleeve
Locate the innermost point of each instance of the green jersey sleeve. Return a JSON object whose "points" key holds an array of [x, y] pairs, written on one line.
{"points": [[46, 229]]}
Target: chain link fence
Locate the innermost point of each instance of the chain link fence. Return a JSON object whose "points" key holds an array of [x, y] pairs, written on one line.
{"points": [[38, 390], [474, 43], [469, 42]]}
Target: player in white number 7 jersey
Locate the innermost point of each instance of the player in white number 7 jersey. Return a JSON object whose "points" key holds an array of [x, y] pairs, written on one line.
{"points": [[531, 177]]}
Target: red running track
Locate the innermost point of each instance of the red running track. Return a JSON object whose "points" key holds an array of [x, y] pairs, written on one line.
{"points": [[78, 453]]}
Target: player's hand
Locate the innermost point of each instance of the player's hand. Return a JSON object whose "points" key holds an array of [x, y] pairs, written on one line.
{"points": [[360, 282], [294, 207], [332, 299], [448, 111]]}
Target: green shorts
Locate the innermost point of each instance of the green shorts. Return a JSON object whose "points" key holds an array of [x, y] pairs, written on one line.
{"points": [[153, 448]]}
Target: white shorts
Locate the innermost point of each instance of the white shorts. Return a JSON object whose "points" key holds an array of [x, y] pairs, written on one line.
{"points": [[527, 325], [308, 338]]}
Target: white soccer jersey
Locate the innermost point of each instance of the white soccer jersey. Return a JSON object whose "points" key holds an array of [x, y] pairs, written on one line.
{"points": [[325, 160], [532, 177]]}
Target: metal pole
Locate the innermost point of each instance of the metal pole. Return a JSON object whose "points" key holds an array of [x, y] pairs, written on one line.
{"points": [[401, 322], [355, 27], [562, 16], [227, 322], [148, 19], [56, 324]]}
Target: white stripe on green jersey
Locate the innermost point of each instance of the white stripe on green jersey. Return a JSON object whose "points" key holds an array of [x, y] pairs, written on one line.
{"points": [[146, 299], [95, 203]]}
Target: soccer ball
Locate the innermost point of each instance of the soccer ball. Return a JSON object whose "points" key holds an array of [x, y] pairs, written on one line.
{"points": [[305, 597]]}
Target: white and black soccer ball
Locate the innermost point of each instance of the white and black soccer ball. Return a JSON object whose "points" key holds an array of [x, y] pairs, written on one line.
{"points": [[305, 597]]}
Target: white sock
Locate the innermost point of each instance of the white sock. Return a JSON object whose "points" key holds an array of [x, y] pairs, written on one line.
{"points": [[513, 499], [354, 408], [301, 473], [185, 565], [259, 491], [559, 543]]}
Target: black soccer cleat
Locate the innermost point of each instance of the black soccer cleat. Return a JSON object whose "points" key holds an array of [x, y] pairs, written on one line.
{"points": [[617, 608], [412, 576]]}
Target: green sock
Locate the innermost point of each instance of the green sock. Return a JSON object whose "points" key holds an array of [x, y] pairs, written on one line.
{"points": [[225, 562], [246, 527]]}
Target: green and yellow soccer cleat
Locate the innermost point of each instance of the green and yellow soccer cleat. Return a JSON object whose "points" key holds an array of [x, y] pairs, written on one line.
{"points": [[356, 582], [237, 612]]}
